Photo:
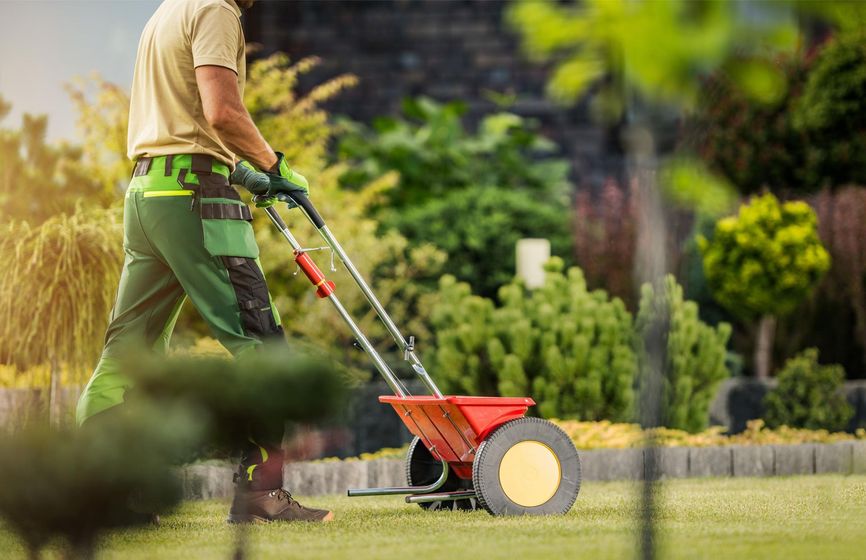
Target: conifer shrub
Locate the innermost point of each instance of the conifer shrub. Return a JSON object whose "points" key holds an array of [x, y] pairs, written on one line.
{"points": [[694, 359], [809, 395], [568, 347]]}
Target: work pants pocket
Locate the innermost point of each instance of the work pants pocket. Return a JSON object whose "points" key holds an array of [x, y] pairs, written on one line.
{"points": [[225, 220]]}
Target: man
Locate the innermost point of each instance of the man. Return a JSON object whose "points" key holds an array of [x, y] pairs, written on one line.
{"points": [[186, 231]]}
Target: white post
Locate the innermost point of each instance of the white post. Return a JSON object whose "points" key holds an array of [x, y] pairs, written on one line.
{"points": [[531, 256]]}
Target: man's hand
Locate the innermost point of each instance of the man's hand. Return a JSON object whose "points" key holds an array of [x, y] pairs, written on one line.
{"points": [[268, 185]]}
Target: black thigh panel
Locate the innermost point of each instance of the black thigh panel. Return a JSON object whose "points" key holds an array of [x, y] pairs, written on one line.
{"points": [[252, 293]]}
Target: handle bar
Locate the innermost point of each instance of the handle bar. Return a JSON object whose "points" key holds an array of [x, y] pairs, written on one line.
{"points": [[408, 347], [302, 200]]}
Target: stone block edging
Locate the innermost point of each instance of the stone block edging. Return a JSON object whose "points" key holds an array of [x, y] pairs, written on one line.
{"points": [[326, 477]]}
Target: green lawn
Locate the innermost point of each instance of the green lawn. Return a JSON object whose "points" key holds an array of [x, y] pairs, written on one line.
{"points": [[798, 517]]}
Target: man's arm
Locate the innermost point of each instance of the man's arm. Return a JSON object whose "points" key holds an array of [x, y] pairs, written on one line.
{"points": [[224, 110]]}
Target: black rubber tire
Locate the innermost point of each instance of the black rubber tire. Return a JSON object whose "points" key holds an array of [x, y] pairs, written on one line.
{"points": [[422, 469], [485, 469]]}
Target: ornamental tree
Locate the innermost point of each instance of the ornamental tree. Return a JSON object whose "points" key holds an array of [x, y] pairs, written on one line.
{"points": [[763, 263]]}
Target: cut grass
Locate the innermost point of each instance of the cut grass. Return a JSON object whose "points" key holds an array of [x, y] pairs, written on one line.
{"points": [[792, 518]]}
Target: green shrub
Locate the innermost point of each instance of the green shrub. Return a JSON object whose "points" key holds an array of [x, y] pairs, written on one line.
{"points": [[695, 356], [809, 395], [478, 229], [832, 110], [754, 144], [472, 194], [571, 349], [434, 154]]}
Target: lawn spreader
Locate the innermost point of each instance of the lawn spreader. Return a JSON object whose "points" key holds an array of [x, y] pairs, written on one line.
{"points": [[468, 451]]}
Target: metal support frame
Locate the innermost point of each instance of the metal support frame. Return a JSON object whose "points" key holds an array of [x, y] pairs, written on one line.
{"points": [[394, 490], [441, 496], [406, 346]]}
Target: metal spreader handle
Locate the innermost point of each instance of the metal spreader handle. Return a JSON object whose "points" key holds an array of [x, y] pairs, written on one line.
{"points": [[326, 289]]}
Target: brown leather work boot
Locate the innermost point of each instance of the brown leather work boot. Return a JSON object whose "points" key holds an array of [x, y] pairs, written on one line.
{"points": [[251, 506]]}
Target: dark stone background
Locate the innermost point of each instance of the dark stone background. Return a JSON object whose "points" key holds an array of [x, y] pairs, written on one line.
{"points": [[445, 49]]}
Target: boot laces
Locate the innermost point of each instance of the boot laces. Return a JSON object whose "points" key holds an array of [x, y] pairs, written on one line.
{"points": [[282, 494]]}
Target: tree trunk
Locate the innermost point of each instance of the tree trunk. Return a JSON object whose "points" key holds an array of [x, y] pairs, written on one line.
{"points": [[54, 395], [764, 347]]}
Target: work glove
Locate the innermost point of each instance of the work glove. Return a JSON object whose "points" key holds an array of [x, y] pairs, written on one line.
{"points": [[284, 179], [269, 186], [246, 176]]}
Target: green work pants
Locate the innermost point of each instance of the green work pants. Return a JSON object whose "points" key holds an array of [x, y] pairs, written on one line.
{"points": [[185, 235]]}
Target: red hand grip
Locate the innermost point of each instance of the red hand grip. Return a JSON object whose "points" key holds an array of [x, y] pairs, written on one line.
{"points": [[324, 287]]}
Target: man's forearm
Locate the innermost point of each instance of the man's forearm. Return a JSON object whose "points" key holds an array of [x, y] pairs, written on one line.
{"points": [[224, 109], [241, 136]]}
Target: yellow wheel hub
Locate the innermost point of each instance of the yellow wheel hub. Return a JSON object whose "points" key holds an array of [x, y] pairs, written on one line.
{"points": [[529, 473]]}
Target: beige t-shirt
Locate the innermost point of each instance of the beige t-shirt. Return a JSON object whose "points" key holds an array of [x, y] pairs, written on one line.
{"points": [[165, 110]]}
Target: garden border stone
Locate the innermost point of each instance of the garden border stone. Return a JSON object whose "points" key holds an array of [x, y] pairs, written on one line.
{"points": [[612, 464], [710, 461], [207, 481], [858, 457], [834, 458], [753, 460], [795, 459], [673, 462]]}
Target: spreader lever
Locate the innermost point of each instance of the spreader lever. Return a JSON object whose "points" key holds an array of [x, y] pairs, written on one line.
{"points": [[410, 347], [324, 248]]}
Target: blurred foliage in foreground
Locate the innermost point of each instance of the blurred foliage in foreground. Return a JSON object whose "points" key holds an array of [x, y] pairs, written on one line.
{"points": [[76, 485], [260, 390], [659, 48], [116, 470]]}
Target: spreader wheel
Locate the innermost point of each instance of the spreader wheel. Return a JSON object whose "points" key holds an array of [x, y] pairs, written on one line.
{"points": [[422, 469], [527, 466]]}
